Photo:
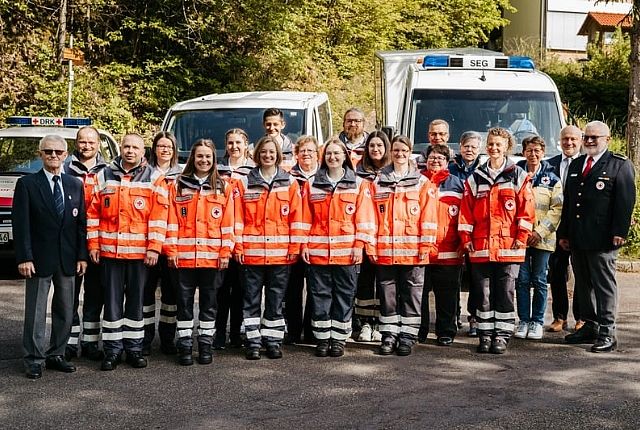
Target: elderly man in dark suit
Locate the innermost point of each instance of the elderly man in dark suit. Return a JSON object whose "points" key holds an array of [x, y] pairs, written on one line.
{"points": [[49, 231], [570, 142], [598, 202]]}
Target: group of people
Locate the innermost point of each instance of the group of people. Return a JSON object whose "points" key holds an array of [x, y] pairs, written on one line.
{"points": [[365, 228]]}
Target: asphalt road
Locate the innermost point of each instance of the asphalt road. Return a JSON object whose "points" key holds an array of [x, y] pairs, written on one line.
{"points": [[536, 385]]}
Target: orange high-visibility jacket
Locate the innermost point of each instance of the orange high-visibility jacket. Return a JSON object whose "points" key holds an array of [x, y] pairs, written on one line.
{"points": [[340, 218], [128, 213], [497, 212], [406, 215], [268, 218], [447, 189], [201, 223]]}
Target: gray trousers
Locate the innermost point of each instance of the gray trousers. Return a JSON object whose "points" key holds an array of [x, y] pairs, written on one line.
{"points": [[35, 316], [596, 288]]}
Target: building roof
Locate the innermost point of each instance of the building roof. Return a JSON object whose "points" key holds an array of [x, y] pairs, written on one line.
{"points": [[605, 20]]}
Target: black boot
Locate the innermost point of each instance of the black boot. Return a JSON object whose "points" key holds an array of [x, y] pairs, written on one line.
{"points": [[204, 353], [185, 357]]}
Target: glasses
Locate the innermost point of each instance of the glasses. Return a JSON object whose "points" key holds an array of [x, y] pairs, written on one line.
{"points": [[165, 148], [354, 121], [536, 151], [307, 151], [588, 137], [440, 158], [58, 152]]}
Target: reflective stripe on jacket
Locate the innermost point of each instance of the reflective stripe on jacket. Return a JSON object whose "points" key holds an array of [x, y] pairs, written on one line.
{"points": [[448, 190], [406, 218], [496, 213], [268, 219], [128, 213], [340, 218], [201, 224]]}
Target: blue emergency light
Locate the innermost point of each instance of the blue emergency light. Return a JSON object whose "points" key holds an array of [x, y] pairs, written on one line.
{"points": [[521, 63], [478, 62], [46, 121]]}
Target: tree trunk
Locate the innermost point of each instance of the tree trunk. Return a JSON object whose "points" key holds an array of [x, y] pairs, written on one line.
{"points": [[633, 114], [62, 30]]}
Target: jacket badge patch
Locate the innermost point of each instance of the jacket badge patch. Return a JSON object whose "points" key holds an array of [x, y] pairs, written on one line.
{"points": [[510, 205], [350, 209], [138, 204]]}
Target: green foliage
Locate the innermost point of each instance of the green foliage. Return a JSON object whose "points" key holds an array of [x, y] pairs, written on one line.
{"points": [[141, 57], [597, 88]]}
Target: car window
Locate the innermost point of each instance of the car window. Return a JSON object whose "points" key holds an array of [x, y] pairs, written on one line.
{"points": [[20, 154]]}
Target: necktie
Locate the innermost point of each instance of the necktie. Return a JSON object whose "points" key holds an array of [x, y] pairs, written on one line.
{"points": [[565, 169], [57, 196], [587, 168]]}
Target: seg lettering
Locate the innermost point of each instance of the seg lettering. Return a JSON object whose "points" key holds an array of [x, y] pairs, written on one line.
{"points": [[479, 63]]}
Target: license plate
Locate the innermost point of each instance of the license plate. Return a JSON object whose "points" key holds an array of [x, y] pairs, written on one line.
{"points": [[4, 237]]}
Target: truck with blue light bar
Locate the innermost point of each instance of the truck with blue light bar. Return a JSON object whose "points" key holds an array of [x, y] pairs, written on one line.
{"points": [[470, 88]]}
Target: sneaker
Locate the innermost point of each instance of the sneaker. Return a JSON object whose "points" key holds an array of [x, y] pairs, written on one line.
{"points": [[365, 333], [535, 331], [523, 329], [376, 336]]}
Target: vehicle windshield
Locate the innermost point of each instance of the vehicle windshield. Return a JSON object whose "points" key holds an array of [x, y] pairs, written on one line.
{"points": [[523, 112], [20, 154], [189, 126]]}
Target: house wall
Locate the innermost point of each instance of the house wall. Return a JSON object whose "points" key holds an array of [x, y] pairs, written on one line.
{"points": [[557, 30]]}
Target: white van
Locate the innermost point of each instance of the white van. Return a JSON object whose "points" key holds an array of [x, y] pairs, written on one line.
{"points": [[471, 89], [210, 117]]}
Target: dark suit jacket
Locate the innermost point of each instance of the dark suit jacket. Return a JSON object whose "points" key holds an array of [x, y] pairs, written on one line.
{"points": [[39, 235], [555, 163], [598, 207]]}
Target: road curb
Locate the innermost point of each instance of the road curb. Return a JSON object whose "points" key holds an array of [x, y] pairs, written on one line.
{"points": [[629, 266]]}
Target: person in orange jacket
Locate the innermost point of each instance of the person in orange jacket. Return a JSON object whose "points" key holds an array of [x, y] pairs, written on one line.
{"points": [[269, 233], [297, 316], [377, 155], [338, 209], [443, 273], [495, 222], [199, 242], [126, 228], [85, 163], [236, 164], [164, 161], [406, 234]]}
